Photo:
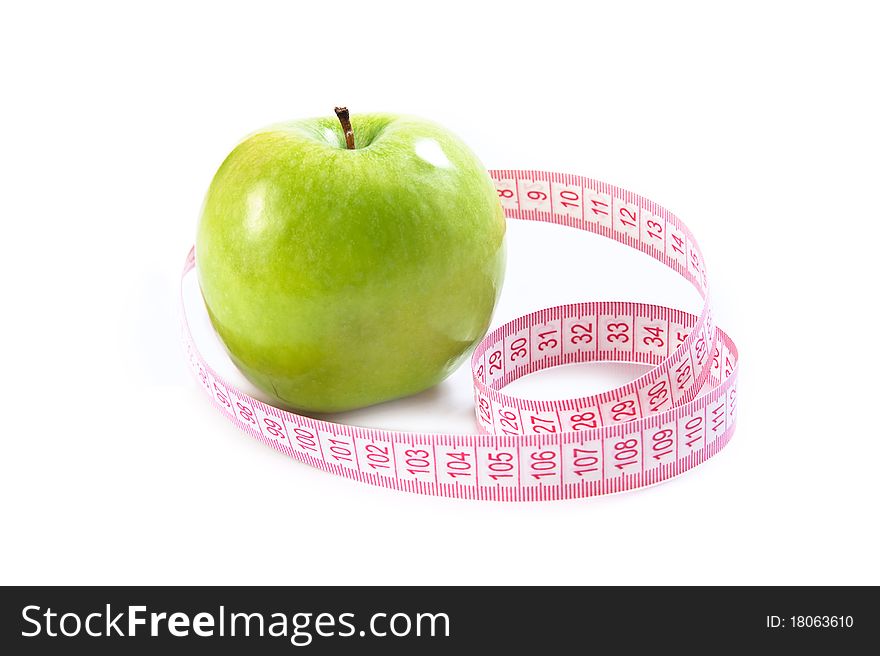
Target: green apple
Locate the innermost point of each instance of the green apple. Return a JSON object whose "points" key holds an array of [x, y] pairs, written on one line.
{"points": [[348, 262]]}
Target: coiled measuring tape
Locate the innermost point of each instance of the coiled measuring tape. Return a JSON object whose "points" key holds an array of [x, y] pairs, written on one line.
{"points": [[672, 418]]}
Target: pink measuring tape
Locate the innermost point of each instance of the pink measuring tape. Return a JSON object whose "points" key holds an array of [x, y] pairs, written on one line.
{"points": [[672, 418]]}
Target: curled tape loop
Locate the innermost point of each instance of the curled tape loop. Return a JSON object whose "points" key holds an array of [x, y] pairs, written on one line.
{"points": [[672, 418]]}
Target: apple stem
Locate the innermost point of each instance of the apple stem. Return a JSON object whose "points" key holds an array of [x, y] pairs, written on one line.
{"points": [[342, 113]]}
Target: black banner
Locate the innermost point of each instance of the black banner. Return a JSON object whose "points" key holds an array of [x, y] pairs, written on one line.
{"points": [[416, 620]]}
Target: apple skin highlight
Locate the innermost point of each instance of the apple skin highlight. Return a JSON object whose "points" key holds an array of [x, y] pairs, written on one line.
{"points": [[341, 277]]}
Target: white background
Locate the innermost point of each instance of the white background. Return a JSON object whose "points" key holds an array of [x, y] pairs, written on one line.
{"points": [[756, 124]]}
